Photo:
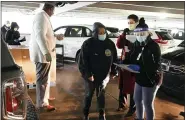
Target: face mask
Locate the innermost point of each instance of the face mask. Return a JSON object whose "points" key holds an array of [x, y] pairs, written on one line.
{"points": [[132, 26], [15, 29], [141, 38], [102, 37], [131, 38]]}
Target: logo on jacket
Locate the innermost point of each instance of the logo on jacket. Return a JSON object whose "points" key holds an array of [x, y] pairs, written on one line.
{"points": [[107, 52]]}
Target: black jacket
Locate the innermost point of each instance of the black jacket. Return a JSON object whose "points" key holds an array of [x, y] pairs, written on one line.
{"points": [[12, 35], [97, 58], [4, 29], [149, 62]]}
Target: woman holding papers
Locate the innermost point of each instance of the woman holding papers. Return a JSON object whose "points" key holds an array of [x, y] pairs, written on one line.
{"points": [[146, 54], [126, 78]]}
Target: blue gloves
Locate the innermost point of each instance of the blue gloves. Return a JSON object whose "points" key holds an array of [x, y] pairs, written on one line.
{"points": [[134, 67]]}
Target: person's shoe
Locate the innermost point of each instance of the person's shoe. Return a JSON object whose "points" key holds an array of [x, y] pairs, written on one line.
{"points": [[130, 112], [51, 98], [86, 117], [47, 108], [121, 109], [102, 117]]}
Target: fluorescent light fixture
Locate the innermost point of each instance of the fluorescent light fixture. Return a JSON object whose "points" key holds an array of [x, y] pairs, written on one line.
{"points": [[163, 15]]}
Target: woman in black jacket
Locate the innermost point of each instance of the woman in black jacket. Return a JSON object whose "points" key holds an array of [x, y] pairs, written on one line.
{"points": [[13, 35], [146, 54]]}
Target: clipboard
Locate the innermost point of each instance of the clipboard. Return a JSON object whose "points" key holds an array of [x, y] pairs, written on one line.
{"points": [[125, 67]]}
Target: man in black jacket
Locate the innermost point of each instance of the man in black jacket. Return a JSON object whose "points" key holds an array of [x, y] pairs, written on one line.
{"points": [[4, 29], [97, 56]]}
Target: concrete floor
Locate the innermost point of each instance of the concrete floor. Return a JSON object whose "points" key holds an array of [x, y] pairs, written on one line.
{"points": [[69, 92]]}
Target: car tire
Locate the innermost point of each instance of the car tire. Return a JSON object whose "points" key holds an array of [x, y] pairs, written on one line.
{"points": [[31, 111], [77, 57]]}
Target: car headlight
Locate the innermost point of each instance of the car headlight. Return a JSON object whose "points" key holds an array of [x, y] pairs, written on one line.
{"points": [[14, 94]]}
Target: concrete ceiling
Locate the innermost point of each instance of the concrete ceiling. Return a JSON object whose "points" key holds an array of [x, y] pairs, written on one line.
{"points": [[33, 7], [120, 10], [109, 10]]}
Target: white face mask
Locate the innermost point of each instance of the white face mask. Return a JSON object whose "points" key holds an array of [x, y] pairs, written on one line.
{"points": [[132, 26], [131, 38], [15, 29], [102, 37], [141, 38]]}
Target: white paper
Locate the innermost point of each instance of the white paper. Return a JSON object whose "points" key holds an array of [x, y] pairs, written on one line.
{"points": [[125, 67]]}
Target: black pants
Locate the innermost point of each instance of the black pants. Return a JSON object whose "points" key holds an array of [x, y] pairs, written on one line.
{"points": [[123, 100], [90, 87]]}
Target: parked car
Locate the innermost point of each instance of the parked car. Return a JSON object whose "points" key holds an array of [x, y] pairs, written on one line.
{"points": [[75, 35], [173, 66], [16, 104]]}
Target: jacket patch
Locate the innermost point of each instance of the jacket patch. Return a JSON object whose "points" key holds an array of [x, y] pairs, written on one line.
{"points": [[108, 52]]}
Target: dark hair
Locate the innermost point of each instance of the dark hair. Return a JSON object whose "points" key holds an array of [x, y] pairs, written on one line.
{"points": [[14, 25], [48, 6], [142, 23], [134, 17]]}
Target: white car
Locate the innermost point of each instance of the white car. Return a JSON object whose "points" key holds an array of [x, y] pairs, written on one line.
{"points": [[164, 39], [75, 35]]}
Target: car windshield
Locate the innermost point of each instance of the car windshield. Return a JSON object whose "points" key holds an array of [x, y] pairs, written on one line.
{"points": [[164, 35], [112, 32], [180, 58], [7, 60], [179, 35], [182, 44]]}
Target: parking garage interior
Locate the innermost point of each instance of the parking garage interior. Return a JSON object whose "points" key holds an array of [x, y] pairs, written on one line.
{"points": [[66, 82]]}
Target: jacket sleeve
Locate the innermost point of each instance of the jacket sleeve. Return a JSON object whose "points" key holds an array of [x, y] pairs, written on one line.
{"points": [[121, 41], [156, 54], [40, 29], [115, 60], [8, 37], [83, 62], [16, 35]]}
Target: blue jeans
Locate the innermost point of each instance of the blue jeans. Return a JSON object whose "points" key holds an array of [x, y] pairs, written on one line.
{"points": [[144, 98]]}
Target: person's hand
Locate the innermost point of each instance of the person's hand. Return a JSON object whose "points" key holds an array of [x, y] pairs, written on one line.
{"points": [[112, 77], [48, 57], [60, 36], [125, 31], [161, 79], [91, 78]]}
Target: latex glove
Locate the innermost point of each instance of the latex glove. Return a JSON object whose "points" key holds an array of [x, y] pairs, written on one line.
{"points": [[59, 36], [112, 77], [91, 78], [161, 79], [125, 31], [48, 57]]}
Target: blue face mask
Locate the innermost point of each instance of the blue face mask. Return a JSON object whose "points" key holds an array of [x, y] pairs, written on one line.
{"points": [[141, 38], [102, 37]]}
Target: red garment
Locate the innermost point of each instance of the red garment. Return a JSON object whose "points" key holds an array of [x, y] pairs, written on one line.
{"points": [[126, 82], [126, 79]]}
